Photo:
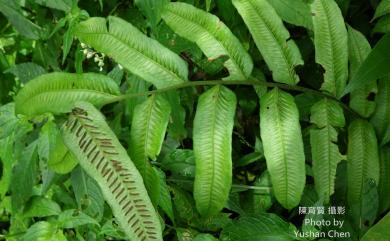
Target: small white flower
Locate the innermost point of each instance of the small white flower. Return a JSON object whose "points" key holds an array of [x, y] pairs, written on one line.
{"points": [[101, 64], [83, 45], [120, 66], [90, 55], [85, 51], [96, 59]]}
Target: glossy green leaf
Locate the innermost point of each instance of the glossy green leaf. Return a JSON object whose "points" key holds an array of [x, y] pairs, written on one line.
{"points": [[362, 158], [374, 67], [211, 35], [139, 54], [283, 146], [359, 49], [104, 159], [272, 39], [331, 45], [212, 135], [58, 92], [327, 116]]}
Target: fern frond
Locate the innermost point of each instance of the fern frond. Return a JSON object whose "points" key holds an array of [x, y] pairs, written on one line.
{"points": [[296, 12], [362, 157], [139, 54], [103, 158], [331, 45], [326, 115], [272, 39], [149, 125], [283, 146], [58, 92], [384, 180], [359, 48], [212, 36], [381, 117], [212, 135]]}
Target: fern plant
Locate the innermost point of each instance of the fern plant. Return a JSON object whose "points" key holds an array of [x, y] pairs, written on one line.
{"points": [[208, 120]]}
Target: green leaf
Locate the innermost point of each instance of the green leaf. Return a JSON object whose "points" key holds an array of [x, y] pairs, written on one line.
{"points": [[8, 120], [374, 67], [212, 136], [180, 162], [204, 237], [383, 25], [139, 54], [359, 49], [296, 12], [73, 218], [13, 12], [326, 115], [382, 9], [384, 180], [176, 127], [256, 201], [149, 125], [363, 159], [67, 41], [148, 130], [331, 45], [212, 36], [41, 207], [165, 201], [51, 149], [43, 231], [283, 146], [380, 231], [88, 195], [265, 227], [152, 9], [26, 71], [104, 159], [63, 5], [58, 92], [272, 39], [24, 177], [381, 117]]}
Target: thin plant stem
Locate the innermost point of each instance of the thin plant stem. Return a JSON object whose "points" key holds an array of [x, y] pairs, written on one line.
{"points": [[236, 82]]}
